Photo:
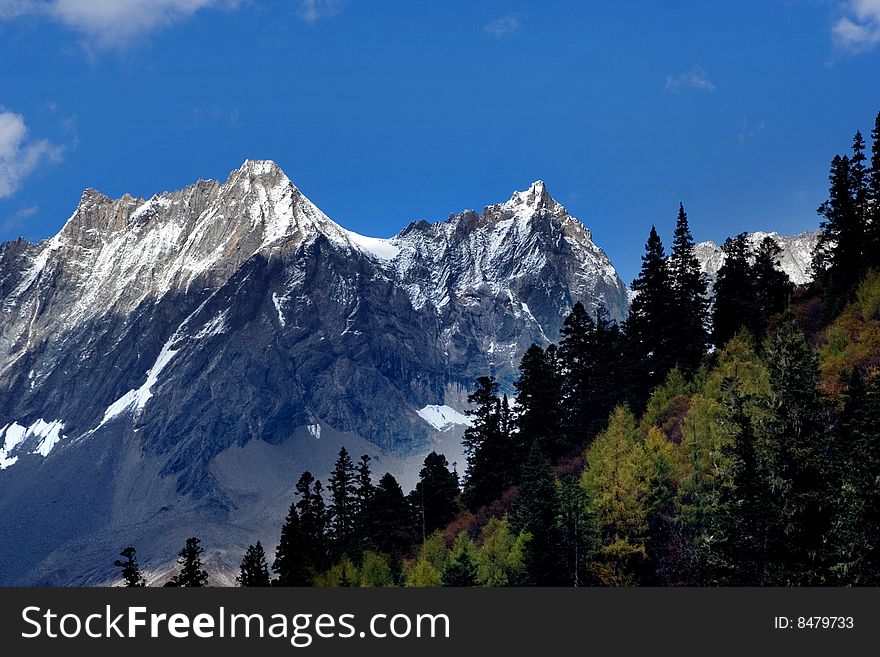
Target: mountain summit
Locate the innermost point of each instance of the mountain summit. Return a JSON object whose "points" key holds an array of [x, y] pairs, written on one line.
{"points": [[168, 366]]}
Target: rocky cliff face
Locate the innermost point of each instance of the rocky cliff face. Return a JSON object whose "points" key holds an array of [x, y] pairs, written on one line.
{"points": [[168, 367]]}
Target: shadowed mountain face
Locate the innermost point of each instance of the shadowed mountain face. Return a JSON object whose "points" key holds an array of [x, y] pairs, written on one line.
{"points": [[169, 367]]}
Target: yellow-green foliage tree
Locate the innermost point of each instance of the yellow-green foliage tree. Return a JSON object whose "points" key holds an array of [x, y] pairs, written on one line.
{"points": [[853, 339], [500, 557], [375, 571]]}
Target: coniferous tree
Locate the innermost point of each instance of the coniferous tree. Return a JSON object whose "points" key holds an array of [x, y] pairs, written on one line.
{"points": [[537, 514], [435, 497], [191, 573], [872, 241], [312, 522], [291, 565], [772, 285], [487, 449], [342, 503], [578, 534], [539, 401], [800, 457], [857, 528], [648, 325], [391, 522], [254, 571], [746, 545], [860, 180], [131, 572], [363, 493], [461, 570], [837, 261], [734, 291], [688, 337]]}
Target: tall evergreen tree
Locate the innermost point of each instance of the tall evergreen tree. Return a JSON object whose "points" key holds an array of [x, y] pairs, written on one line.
{"points": [[746, 546], [873, 201], [857, 526], [578, 533], [539, 401], [291, 565], [391, 521], [772, 285], [191, 573], [487, 448], [689, 336], [342, 503], [800, 457], [734, 291], [860, 180], [461, 570], [648, 325], [254, 571], [537, 514], [578, 355], [363, 493], [312, 522], [131, 572], [435, 497], [838, 262]]}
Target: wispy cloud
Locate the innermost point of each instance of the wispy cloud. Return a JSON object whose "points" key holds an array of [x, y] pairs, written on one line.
{"points": [[749, 130], [20, 155], [696, 79], [311, 11], [857, 28], [16, 222], [506, 26], [111, 23]]}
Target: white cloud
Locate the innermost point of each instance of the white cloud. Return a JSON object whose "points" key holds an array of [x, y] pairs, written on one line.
{"points": [[696, 78], [19, 155], [749, 130], [111, 23], [16, 222], [858, 28], [312, 11], [503, 27]]}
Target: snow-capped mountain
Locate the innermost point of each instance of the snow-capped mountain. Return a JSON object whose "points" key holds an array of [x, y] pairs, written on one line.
{"points": [[795, 260], [169, 366]]}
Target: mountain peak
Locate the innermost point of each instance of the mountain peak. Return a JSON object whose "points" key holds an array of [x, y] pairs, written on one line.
{"points": [[535, 198]]}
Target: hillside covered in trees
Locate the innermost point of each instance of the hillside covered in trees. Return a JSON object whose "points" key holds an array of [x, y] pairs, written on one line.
{"points": [[723, 440]]}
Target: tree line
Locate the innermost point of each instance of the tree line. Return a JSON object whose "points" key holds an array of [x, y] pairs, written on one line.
{"points": [[700, 442]]}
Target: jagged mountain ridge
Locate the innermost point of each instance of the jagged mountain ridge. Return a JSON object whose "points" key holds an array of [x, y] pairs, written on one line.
{"points": [[191, 353], [795, 259]]}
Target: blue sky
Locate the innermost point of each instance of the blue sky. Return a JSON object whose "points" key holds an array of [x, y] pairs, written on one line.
{"points": [[387, 111]]}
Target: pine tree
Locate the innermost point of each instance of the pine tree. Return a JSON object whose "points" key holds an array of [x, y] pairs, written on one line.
{"points": [[688, 337], [435, 497], [857, 528], [191, 573], [734, 291], [860, 180], [391, 521], [772, 286], [746, 546], [342, 503], [312, 522], [872, 242], [539, 401], [837, 261], [578, 533], [131, 572], [254, 571], [648, 325], [461, 570], [578, 355], [363, 493], [486, 447], [291, 565], [536, 514], [800, 457]]}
